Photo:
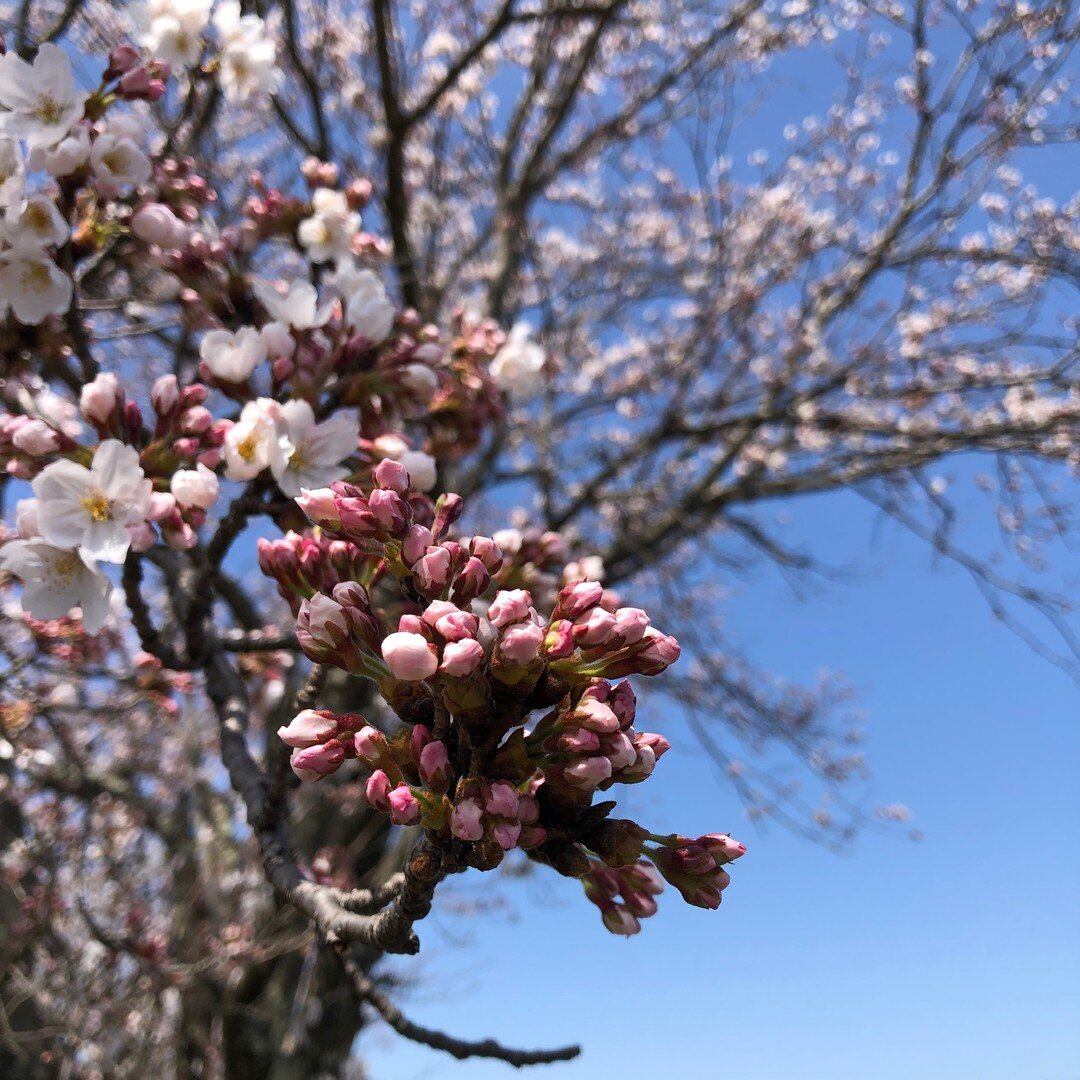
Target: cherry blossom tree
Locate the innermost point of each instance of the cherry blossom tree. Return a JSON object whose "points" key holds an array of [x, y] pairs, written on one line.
{"points": [[466, 324]]}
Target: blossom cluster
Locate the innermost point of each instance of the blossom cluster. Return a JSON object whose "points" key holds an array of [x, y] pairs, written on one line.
{"points": [[512, 720]]}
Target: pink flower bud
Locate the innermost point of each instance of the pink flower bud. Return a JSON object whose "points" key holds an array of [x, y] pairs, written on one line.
{"points": [[576, 599], [409, 657], [472, 581], [435, 765], [447, 511], [487, 551], [506, 833], [309, 728], [165, 395], [377, 791], [722, 847], [315, 762], [588, 773], [196, 487], [466, 820], [99, 398], [623, 703], [371, 746], [35, 437], [433, 570], [509, 606], [121, 60], [501, 798], [320, 505], [528, 811], [559, 642], [520, 643], [579, 741], [389, 510], [620, 751], [656, 744], [457, 625], [619, 921], [413, 548], [155, 223], [411, 624], [594, 627], [662, 650], [596, 716], [324, 621], [404, 806], [391, 475], [461, 657], [631, 624], [196, 420]]}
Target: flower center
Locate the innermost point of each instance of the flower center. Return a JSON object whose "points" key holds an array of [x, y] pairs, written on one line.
{"points": [[248, 447], [65, 567], [48, 110], [299, 460], [115, 161], [36, 278], [96, 504], [37, 218]]}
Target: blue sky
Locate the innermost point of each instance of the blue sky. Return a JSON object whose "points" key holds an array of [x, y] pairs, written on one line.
{"points": [[953, 958]]}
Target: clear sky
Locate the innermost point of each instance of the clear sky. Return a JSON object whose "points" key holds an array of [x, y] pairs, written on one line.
{"points": [[953, 958]]}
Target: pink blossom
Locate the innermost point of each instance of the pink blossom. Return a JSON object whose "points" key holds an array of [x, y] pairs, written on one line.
{"points": [[466, 820], [459, 658]]}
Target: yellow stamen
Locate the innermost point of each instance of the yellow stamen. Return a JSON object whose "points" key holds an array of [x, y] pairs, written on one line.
{"points": [[97, 506]]}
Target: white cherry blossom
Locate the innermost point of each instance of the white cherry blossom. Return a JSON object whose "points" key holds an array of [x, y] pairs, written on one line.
{"points": [[368, 310], [317, 449], [172, 29], [42, 97], [92, 508], [248, 54], [33, 285], [56, 580], [232, 357], [196, 487], [118, 162], [257, 441], [328, 233], [298, 308], [36, 224], [518, 364], [69, 154]]}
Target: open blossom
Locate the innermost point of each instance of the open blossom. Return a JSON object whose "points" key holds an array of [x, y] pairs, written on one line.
{"points": [[298, 308], [92, 508], [12, 173], [368, 310], [69, 154], [317, 449], [247, 53], [43, 100], [195, 488], [56, 580], [37, 223], [257, 441], [34, 286], [519, 363], [118, 162], [232, 357], [172, 29], [328, 233]]}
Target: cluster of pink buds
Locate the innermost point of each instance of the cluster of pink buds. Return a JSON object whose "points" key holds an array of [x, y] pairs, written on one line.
{"points": [[465, 666], [624, 894], [322, 741], [590, 742], [26, 440], [135, 80], [696, 867], [306, 565]]}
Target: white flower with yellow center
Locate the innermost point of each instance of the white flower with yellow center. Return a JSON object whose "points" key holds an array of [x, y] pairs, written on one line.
{"points": [[36, 224], [33, 285], [329, 232], [56, 580], [118, 162], [519, 364], [172, 29], [317, 449], [257, 441], [232, 357], [43, 100], [91, 509], [248, 54]]}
